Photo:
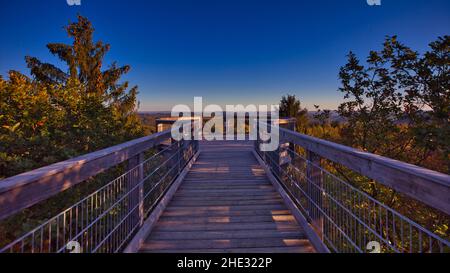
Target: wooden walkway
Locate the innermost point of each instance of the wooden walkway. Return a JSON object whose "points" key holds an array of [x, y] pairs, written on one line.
{"points": [[226, 203]]}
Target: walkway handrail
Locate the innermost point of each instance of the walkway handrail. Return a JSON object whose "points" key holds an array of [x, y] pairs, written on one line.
{"points": [[25, 190], [343, 217], [103, 221], [424, 185]]}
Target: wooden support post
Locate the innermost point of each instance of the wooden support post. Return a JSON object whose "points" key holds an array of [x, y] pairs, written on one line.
{"points": [[277, 161], [159, 126], [180, 146], [314, 189], [257, 137], [137, 196], [287, 147], [292, 125]]}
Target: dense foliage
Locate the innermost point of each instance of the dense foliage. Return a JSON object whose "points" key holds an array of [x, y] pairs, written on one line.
{"points": [[56, 114], [396, 105], [291, 107]]}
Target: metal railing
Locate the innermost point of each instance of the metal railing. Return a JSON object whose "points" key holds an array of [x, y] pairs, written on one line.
{"points": [[346, 219], [106, 220]]}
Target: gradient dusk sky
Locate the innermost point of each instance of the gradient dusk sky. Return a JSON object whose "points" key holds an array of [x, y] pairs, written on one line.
{"points": [[229, 52]]}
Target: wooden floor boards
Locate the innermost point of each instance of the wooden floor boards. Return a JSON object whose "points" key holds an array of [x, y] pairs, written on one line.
{"points": [[226, 204]]}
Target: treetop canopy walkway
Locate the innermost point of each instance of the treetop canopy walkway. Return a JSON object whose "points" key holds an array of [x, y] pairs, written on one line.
{"points": [[226, 196]]}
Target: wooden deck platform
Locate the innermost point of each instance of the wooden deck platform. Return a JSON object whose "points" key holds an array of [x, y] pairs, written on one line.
{"points": [[226, 203]]}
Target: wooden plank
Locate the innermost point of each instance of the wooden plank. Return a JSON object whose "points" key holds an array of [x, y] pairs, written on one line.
{"points": [[208, 197], [236, 169], [427, 186], [232, 191], [228, 181], [222, 244], [268, 250], [251, 184], [229, 192], [191, 213], [225, 203], [225, 177], [230, 172], [178, 220], [219, 193], [225, 180], [282, 226], [230, 208], [216, 235], [25, 190], [235, 199]]}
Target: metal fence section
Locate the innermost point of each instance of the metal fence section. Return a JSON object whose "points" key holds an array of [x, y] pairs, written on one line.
{"points": [[106, 220], [347, 219]]}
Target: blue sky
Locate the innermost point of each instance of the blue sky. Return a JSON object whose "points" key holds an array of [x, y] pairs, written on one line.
{"points": [[229, 52]]}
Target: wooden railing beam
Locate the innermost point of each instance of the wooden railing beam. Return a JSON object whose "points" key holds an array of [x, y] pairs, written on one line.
{"points": [[27, 189], [427, 186]]}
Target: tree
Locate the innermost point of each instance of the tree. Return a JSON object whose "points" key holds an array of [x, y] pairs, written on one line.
{"points": [[426, 81], [85, 104], [398, 105], [322, 116], [26, 116], [290, 107], [57, 114]]}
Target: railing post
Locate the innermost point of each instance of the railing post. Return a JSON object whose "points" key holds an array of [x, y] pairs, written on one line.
{"points": [[277, 161], [314, 189], [292, 125], [257, 138], [137, 179], [159, 126], [287, 148], [179, 155]]}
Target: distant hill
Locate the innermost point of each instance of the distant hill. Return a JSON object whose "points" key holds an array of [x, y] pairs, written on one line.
{"points": [[149, 117], [335, 117]]}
